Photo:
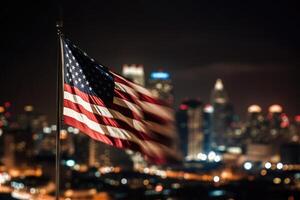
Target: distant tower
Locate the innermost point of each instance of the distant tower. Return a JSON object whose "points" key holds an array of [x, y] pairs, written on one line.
{"points": [[134, 73], [160, 84], [219, 95], [222, 116], [207, 127], [190, 127]]}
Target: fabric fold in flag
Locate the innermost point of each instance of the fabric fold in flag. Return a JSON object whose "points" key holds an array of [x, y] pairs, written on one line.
{"points": [[111, 109]]}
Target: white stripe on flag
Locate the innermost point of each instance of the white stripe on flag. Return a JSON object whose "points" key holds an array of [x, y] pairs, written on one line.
{"points": [[151, 147], [104, 111]]}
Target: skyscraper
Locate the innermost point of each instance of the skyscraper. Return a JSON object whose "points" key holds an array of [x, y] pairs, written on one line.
{"points": [[257, 126], [134, 73], [207, 127], [278, 121], [222, 116], [255, 116], [275, 116], [190, 127], [160, 84]]}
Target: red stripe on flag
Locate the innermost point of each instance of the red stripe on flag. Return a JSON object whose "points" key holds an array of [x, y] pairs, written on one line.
{"points": [[151, 136], [97, 101], [117, 142]]}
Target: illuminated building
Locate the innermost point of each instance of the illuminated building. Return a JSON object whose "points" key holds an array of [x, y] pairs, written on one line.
{"points": [[25, 132], [275, 117], [279, 123], [207, 127], [190, 127], [160, 85], [222, 116], [134, 73], [294, 129], [256, 124]]}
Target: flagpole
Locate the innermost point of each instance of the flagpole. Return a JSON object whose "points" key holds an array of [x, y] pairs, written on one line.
{"points": [[59, 95]]}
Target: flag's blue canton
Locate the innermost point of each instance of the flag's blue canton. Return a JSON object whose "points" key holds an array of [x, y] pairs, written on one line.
{"points": [[84, 73]]}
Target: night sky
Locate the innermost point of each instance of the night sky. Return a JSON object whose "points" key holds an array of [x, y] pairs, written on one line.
{"points": [[253, 47]]}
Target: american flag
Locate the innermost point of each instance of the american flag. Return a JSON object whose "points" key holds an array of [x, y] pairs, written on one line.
{"points": [[114, 110]]}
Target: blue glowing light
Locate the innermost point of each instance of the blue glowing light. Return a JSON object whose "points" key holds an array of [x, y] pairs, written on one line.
{"points": [[160, 75], [217, 193]]}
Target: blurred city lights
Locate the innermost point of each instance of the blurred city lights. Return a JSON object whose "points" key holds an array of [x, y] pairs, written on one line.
{"points": [[146, 182], [211, 155], [217, 193], [70, 163], [263, 172], [248, 165], [277, 180], [76, 131], [97, 174], [160, 75], [146, 170], [63, 134], [275, 108], [202, 156], [2, 109], [183, 107], [268, 165], [159, 188], [217, 158], [124, 181], [221, 148], [297, 118], [4, 177], [53, 127], [284, 121], [7, 104], [28, 108], [279, 166], [287, 181], [254, 109], [216, 179], [234, 150], [47, 130], [208, 108], [70, 129]]}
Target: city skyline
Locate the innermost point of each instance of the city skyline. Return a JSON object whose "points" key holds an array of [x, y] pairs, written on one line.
{"points": [[142, 99]]}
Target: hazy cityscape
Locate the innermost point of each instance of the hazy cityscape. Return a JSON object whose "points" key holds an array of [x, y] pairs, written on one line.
{"points": [[149, 100], [222, 156]]}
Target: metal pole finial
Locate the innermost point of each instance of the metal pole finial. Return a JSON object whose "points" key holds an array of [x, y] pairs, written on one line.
{"points": [[59, 27]]}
